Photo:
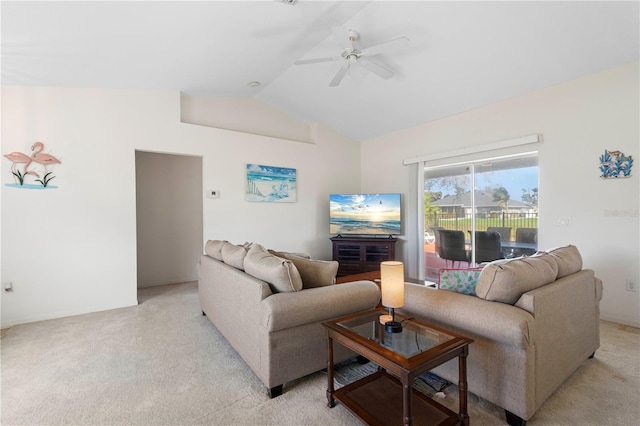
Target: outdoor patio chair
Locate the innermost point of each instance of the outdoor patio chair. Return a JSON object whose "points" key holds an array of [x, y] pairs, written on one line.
{"points": [[488, 246], [526, 235], [505, 232], [451, 246], [505, 235]]}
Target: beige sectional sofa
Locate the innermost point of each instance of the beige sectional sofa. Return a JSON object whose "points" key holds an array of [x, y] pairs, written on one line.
{"points": [[270, 308], [534, 321]]}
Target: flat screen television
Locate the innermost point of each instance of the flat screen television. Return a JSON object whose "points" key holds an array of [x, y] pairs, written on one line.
{"points": [[365, 214]]}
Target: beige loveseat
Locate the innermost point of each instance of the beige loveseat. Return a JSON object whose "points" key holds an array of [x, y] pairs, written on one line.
{"points": [[534, 321], [270, 308]]}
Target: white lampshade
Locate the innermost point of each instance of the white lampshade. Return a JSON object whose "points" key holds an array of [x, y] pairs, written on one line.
{"points": [[392, 284]]}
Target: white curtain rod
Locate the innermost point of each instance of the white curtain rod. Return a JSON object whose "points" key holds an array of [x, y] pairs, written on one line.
{"points": [[525, 140]]}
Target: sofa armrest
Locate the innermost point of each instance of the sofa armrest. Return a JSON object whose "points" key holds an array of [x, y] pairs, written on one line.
{"points": [[599, 288], [567, 312], [286, 310], [550, 302], [223, 287], [470, 315], [567, 327]]}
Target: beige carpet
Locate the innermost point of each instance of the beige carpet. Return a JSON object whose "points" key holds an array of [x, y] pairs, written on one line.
{"points": [[163, 363]]}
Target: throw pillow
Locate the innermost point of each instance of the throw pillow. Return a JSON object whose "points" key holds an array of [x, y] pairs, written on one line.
{"points": [[234, 255], [506, 280], [314, 273], [213, 248], [281, 274], [459, 280]]}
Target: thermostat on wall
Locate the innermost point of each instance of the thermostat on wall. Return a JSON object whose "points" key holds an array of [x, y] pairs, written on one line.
{"points": [[213, 193]]}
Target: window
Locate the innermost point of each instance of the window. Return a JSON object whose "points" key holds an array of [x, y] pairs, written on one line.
{"points": [[492, 202]]}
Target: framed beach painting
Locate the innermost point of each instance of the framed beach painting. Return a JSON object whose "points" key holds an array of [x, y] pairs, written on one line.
{"points": [[271, 184]]}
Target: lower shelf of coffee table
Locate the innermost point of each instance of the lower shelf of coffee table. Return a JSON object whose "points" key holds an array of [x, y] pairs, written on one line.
{"points": [[377, 400]]}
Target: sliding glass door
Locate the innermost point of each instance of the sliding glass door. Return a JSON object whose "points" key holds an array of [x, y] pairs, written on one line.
{"points": [[480, 211]]}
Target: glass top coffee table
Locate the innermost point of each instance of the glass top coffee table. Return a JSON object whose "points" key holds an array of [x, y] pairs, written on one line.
{"points": [[387, 397]]}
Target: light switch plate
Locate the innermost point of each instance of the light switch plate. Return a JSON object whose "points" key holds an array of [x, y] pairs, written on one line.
{"points": [[563, 221], [213, 193]]}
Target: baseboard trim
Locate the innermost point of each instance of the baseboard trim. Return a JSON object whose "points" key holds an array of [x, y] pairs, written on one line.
{"points": [[146, 285], [620, 320], [11, 322]]}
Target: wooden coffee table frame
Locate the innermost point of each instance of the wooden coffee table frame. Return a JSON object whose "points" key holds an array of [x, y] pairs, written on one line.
{"points": [[375, 399]]}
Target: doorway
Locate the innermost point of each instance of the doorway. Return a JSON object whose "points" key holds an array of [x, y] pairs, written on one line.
{"points": [[168, 217], [480, 211]]}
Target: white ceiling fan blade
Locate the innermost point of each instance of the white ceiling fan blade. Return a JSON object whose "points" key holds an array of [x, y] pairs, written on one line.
{"points": [[386, 46], [340, 75], [377, 69], [317, 60]]}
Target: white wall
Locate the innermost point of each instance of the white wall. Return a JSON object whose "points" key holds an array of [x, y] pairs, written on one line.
{"points": [[578, 121], [72, 250], [168, 217], [245, 115]]}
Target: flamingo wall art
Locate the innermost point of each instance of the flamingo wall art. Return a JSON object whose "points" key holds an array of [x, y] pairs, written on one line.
{"points": [[24, 165]]}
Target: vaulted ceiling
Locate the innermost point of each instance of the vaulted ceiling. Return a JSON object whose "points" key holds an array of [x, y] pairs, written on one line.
{"points": [[461, 56]]}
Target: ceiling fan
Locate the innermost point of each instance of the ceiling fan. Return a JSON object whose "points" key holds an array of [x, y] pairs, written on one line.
{"points": [[354, 54]]}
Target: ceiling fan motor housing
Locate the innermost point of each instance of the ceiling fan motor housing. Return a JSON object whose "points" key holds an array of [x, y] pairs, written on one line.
{"points": [[351, 53]]}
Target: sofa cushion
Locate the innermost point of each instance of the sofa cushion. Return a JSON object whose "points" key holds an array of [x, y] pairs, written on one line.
{"points": [[281, 274], [506, 280], [459, 280], [568, 259], [233, 255], [284, 253], [314, 273], [213, 248]]}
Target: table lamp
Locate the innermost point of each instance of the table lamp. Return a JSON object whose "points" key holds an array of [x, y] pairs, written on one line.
{"points": [[392, 286]]}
